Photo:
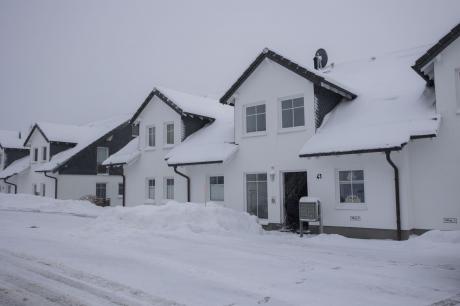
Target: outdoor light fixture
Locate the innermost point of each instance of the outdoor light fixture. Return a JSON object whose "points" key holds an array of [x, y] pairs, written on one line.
{"points": [[272, 173]]}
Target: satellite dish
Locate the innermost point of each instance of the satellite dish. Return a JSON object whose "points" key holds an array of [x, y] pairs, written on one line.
{"points": [[320, 59]]}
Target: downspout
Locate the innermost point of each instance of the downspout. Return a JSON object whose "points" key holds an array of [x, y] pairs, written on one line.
{"points": [[398, 204], [123, 201], [55, 183], [11, 184], [188, 181]]}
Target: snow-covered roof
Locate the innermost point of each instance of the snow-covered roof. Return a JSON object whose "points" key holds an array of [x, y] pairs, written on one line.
{"points": [[16, 167], [214, 143], [87, 135], [11, 140], [393, 106], [126, 155], [183, 103]]}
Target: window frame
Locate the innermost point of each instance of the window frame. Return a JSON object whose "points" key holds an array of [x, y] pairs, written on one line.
{"points": [[43, 189], [244, 113], [457, 87], [105, 188], [120, 195], [147, 136], [223, 186], [165, 188], [35, 190], [165, 134], [35, 155], [147, 190], [44, 153], [350, 205], [282, 129], [245, 182], [99, 165]]}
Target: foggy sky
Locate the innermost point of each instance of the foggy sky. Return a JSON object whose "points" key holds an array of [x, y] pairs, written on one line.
{"points": [[78, 61]]}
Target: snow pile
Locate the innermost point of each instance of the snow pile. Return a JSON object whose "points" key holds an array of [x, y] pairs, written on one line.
{"points": [[25, 202], [126, 154], [10, 139], [16, 167], [437, 236], [176, 217]]}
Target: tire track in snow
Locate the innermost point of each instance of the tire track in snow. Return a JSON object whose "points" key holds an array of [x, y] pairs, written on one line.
{"points": [[83, 285]]}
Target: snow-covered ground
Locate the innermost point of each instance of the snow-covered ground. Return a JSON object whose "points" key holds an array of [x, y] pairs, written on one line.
{"points": [[72, 253]]}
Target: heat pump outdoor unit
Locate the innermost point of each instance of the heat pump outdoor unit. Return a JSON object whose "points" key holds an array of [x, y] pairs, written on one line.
{"points": [[309, 211]]}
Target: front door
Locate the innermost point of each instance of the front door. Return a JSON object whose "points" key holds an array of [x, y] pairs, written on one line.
{"points": [[295, 187]]}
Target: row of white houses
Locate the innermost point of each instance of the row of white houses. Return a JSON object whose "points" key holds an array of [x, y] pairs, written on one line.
{"points": [[376, 140]]}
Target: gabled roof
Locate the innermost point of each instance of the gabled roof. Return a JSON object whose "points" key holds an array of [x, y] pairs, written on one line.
{"points": [[294, 67], [92, 132], [393, 107], [55, 132], [11, 140], [429, 55], [183, 103]]}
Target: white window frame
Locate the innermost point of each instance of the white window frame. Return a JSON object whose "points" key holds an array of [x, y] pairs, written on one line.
{"points": [[35, 190], [2, 156], [120, 195], [257, 133], [102, 183], [457, 87], [44, 153], [148, 200], [43, 189], [147, 136], [245, 186], [165, 188], [165, 134], [209, 187], [280, 115], [35, 157], [99, 164], [350, 206]]}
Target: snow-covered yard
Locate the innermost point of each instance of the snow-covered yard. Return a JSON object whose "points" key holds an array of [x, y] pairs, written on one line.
{"points": [[72, 253]]}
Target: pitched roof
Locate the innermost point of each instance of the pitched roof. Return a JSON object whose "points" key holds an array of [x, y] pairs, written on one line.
{"points": [[125, 155], [55, 132], [393, 107], [10, 140], [183, 103], [16, 167], [315, 78], [89, 134], [429, 55], [214, 143]]}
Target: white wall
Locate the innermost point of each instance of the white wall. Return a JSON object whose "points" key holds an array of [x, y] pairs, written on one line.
{"points": [[151, 163]]}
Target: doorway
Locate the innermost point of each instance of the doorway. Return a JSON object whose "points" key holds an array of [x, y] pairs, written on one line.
{"points": [[295, 187]]}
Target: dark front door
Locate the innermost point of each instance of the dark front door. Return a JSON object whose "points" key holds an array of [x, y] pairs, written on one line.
{"points": [[295, 187]]}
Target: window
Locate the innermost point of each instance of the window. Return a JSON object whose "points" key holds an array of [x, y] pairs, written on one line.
{"points": [[256, 195], [292, 113], [151, 189], [150, 136], [102, 153], [1, 161], [35, 154], [101, 190], [35, 189], [9, 189], [135, 130], [169, 133], [216, 188], [121, 189], [457, 75], [43, 189], [44, 152], [351, 186], [255, 118], [169, 188]]}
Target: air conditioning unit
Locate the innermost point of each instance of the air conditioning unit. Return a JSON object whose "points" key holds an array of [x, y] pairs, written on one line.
{"points": [[310, 211]]}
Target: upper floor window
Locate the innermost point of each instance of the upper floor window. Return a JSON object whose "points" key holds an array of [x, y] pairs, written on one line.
{"points": [[35, 157], [150, 136], [169, 133], [44, 153], [351, 186], [1, 161], [255, 118], [102, 153], [292, 113], [135, 130]]}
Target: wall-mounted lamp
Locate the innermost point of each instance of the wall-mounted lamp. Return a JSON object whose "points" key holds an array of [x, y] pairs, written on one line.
{"points": [[272, 173]]}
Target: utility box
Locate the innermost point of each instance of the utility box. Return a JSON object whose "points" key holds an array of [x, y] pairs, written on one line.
{"points": [[310, 211]]}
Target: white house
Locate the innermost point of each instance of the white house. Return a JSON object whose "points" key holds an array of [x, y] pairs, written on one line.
{"points": [[65, 161], [376, 143], [11, 150]]}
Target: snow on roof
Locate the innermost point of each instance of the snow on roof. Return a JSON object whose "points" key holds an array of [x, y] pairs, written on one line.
{"points": [[213, 143], [64, 132], [10, 139], [125, 155], [88, 134], [16, 167], [393, 105]]}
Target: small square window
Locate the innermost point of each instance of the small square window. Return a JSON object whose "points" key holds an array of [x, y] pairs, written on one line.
{"points": [[351, 186]]}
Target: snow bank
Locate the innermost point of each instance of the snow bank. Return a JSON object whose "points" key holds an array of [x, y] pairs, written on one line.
{"points": [[177, 217], [437, 236], [24, 202]]}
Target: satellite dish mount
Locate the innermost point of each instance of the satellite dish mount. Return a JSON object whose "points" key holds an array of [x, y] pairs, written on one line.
{"points": [[320, 59]]}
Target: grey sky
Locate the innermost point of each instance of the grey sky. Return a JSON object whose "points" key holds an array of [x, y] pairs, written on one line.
{"points": [[78, 61]]}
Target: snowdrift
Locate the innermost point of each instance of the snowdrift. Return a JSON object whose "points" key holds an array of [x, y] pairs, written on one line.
{"points": [[177, 217], [25, 202]]}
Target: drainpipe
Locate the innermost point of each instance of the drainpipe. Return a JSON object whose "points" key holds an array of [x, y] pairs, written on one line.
{"points": [[188, 182], [55, 183], [398, 204], [11, 184]]}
